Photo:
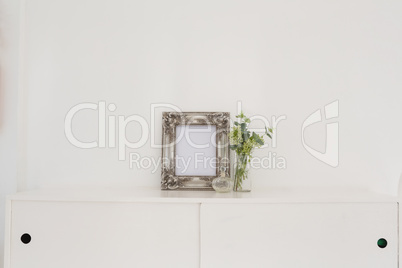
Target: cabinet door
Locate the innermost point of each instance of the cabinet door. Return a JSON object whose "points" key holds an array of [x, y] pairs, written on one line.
{"points": [[104, 235], [330, 235]]}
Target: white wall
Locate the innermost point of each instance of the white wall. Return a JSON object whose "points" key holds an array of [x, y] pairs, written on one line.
{"points": [[9, 34], [278, 57]]}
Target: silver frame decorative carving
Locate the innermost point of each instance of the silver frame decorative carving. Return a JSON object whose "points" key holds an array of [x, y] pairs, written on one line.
{"points": [[170, 120]]}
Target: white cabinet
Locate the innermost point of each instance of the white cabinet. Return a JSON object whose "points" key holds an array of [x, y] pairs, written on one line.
{"points": [[126, 227], [330, 235], [104, 235]]}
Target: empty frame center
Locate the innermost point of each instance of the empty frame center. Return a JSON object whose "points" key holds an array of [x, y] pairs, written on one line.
{"points": [[195, 150]]}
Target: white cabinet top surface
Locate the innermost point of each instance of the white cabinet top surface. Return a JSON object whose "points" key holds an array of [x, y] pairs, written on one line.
{"points": [[149, 194]]}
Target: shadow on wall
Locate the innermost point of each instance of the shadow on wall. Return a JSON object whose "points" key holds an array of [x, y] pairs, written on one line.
{"points": [[2, 102], [1, 253]]}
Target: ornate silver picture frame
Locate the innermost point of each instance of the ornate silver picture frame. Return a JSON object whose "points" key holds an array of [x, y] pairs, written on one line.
{"points": [[215, 124]]}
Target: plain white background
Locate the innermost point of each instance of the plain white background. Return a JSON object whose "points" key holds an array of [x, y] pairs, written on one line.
{"points": [[276, 57]]}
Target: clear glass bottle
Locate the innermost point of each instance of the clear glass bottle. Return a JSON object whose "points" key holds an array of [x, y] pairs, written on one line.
{"points": [[222, 184]]}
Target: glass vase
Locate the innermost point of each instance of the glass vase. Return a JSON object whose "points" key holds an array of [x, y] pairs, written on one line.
{"points": [[242, 183]]}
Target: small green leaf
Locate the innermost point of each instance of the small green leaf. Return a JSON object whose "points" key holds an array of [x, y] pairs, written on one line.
{"points": [[243, 127], [267, 132], [236, 123], [246, 135], [257, 139]]}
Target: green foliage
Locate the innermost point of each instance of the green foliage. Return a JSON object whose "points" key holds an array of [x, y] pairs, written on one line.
{"points": [[242, 141]]}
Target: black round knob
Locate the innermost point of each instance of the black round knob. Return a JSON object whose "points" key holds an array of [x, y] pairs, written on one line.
{"points": [[382, 243], [25, 238]]}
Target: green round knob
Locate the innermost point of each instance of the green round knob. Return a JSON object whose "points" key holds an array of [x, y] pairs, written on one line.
{"points": [[382, 243]]}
